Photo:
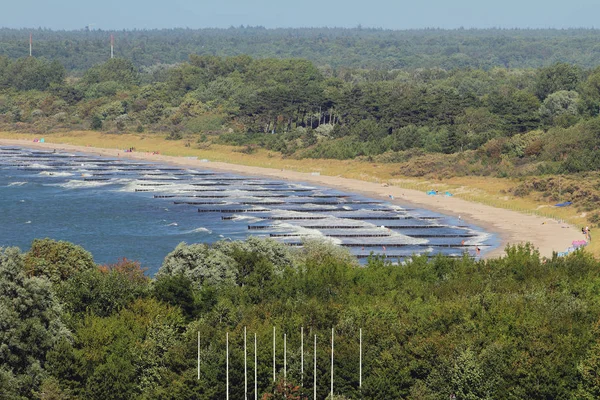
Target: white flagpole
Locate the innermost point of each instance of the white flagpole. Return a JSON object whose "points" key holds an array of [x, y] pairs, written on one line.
{"points": [[360, 361], [332, 363], [227, 365], [198, 355], [301, 356], [273, 354], [255, 368], [284, 358], [315, 370], [245, 367]]}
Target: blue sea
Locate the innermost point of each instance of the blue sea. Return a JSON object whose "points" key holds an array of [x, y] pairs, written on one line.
{"points": [[141, 210]]}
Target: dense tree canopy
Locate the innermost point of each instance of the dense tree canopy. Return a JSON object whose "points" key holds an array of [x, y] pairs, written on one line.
{"points": [[516, 327]]}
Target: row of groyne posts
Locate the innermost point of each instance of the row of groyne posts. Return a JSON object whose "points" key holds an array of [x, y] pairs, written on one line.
{"points": [[314, 383]]}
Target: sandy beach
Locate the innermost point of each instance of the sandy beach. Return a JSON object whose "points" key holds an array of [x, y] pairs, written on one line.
{"points": [[512, 227]]}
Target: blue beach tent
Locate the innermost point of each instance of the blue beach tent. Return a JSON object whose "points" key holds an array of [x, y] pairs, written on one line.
{"points": [[566, 203]]}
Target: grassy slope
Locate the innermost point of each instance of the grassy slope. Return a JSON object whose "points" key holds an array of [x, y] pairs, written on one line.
{"points": [[491, 191]]}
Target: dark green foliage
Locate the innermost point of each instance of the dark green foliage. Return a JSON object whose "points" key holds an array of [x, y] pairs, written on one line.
{"points": [[96, 123], [176, 290], [116, 70], [516, 327], [559, 76], [103, 290], [30, 73], [30, 325]]}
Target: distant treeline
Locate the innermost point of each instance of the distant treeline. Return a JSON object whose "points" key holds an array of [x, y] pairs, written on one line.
{"points": [[334, 47], [512, 328]]}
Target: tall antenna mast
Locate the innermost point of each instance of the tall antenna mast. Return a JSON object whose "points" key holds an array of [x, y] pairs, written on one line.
{"points": [[112, 46], [30, 45]]}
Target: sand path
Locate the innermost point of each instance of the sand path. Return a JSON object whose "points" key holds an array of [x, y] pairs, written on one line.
{"points": [[512, 227]]}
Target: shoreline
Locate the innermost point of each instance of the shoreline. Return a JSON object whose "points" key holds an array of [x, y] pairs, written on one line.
{"points": [[511, 227]]}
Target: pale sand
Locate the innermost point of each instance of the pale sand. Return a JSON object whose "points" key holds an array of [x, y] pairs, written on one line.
{"points": [[512, 227]]}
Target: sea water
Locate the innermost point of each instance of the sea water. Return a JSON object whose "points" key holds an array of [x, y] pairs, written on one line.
{"points": [[140, 210]]}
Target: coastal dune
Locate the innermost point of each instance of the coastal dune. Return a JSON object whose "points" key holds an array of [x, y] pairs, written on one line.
{"points": [[546, 234]]}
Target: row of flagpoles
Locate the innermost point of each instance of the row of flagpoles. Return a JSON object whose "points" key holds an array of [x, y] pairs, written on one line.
{"points": [[284, 362]]}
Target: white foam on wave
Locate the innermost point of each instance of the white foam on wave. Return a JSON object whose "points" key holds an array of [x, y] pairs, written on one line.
{"points": [[55, 174], [35, 165], [17, 183], [78, 184], [479, 239], [249, 218], [198, 230]]}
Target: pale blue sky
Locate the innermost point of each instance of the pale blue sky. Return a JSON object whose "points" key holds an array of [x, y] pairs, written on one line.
{"points": [[398, 14]]}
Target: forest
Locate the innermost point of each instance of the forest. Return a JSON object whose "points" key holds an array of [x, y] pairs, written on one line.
{"points": [[516, 327], [513, 122], [358, 47]]}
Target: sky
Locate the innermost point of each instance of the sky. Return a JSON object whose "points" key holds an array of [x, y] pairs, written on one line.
{"points": [[390, 14]]}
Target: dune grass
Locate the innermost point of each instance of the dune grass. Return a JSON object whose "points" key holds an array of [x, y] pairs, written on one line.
{"points": [[486, 190]]}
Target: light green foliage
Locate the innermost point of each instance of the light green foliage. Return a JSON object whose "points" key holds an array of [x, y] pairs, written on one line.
{"points": [[202, 264], [228, 263], [127, 353], [563, 105], [468, 378], [319, 251]]}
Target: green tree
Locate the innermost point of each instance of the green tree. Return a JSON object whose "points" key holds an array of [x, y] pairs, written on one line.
{"points": [[31, 324], [560, 76], [56, 260], [117, 70], [560, 108]]}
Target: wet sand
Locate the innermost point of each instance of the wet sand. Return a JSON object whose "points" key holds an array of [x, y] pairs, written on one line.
{"points": [[512, 227]]}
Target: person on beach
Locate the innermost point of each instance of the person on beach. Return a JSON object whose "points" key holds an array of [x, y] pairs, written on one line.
{"points": [[477, 250]]}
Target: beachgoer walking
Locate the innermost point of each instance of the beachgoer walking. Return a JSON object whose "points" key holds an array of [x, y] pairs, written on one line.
{"points": [[477, 250]]}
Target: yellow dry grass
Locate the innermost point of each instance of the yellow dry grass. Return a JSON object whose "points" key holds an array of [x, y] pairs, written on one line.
{"points": [[487, 190]]}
